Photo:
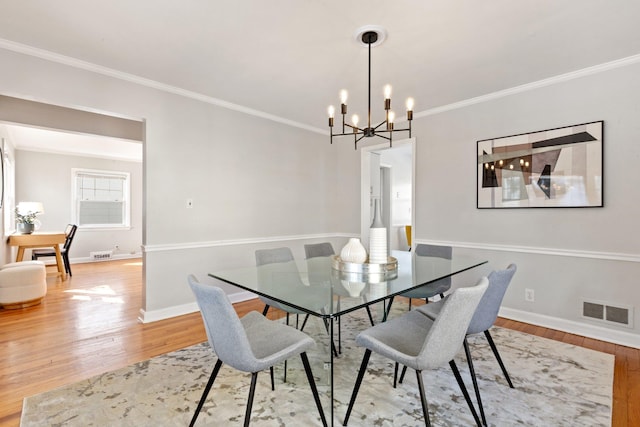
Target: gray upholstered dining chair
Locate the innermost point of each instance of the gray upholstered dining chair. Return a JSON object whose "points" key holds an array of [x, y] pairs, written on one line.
{"points": [[250, 344], [265, 257], [313, 250], [483, 319], [436, 288], [325, 249], [421, 343], [273, 256]]}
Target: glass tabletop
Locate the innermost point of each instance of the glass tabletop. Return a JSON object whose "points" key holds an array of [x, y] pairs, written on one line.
{"points": [[313, 286]]}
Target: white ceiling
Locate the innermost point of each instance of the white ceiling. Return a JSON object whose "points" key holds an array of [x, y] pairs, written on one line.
{"points": [[290, 58]]}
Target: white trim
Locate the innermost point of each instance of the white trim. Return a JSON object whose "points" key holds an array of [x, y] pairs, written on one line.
{"points": [[166, 313], [241, 296], [84, 65], [181, 310], [88, 66], [85, 260], [583, 329], [612, 256], [234, 242], [618, 63]]}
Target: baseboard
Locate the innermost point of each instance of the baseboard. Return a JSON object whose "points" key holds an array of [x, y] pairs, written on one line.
{"points": [[166, 313], [583, 329], [180, 310]]}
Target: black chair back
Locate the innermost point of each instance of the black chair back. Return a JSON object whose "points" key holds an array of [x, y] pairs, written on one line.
{"points": [[71, 232]]}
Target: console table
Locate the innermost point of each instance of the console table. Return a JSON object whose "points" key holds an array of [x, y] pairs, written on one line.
{"points": [[40, 240]]}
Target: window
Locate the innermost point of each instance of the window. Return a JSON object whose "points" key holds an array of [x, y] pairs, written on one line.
{"points": [[100, 198]]}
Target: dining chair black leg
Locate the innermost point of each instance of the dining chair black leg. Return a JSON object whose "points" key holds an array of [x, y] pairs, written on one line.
{"points": [[273, 383], [472, 372], [312, 384], [252, 392], [386, 313], [456, 373], [363, 369], [67, 266], [284, 380], [304, 322], [370, 316], [395, 375], [266, 308], [205, 393], [404, 371], [495, 352], [339, 335], [423, 399]]}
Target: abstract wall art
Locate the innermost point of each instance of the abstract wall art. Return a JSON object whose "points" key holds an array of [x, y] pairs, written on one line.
{"points": [[555, 168]]}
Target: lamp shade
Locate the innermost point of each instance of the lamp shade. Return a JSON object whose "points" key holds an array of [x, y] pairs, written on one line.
{"points": [[30, 207]]}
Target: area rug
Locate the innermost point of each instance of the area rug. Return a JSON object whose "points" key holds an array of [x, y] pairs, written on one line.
{"points": [[556, 384]]}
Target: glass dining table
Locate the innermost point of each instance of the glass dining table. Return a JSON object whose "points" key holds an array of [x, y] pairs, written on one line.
{"points": [[317, 287]]}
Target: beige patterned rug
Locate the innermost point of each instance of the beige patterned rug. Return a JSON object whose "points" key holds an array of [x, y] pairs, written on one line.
{"points": [[556, 384]]}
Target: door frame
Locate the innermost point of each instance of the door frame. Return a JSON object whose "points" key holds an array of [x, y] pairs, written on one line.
{"points": [[365, 185]]}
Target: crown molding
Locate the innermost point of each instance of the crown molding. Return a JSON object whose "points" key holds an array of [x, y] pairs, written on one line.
{"points": [[88, 66], [618, 63]]}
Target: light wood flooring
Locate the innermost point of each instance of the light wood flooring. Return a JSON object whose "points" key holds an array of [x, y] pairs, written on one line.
{"points": [[88, 325]]}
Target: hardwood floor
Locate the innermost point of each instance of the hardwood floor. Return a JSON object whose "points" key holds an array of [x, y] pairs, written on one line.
{"points": [[88, 325]]}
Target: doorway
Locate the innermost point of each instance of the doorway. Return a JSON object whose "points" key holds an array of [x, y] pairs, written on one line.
{"points": [[388, 175]]}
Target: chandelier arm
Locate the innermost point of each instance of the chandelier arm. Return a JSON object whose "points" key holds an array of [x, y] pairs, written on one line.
{"points": [[348, 133], [381, 123]]}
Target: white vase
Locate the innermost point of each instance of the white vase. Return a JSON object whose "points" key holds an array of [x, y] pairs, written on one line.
{"points": [[354, 252], [378, 253]]}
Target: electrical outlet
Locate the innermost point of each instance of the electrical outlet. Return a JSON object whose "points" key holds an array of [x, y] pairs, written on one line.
{"points": [[189, 203], [529, 295]]}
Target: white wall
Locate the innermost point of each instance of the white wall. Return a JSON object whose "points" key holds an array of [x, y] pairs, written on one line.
{"points": [[256, 182], [46, 178], [252, 180], [563, 254]]}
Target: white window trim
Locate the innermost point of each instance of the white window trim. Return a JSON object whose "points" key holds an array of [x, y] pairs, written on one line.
{"points": [[126, 194]]}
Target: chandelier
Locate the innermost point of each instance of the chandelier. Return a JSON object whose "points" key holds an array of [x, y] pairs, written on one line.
{"points": [[368, 36]]}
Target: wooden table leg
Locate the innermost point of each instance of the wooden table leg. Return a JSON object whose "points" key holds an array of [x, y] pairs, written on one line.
{"points": [[59, 262], [20, 254]]}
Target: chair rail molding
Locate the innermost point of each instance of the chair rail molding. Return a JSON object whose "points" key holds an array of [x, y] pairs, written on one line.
{"points": [[612, 256], [247, 241]]}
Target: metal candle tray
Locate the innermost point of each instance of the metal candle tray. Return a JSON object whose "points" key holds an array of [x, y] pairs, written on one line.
{"points": [[391, 266]]}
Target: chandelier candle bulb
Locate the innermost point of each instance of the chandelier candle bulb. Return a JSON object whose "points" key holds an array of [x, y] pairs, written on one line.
{"points": [[409, 104], [343, 96], [390, 120]]}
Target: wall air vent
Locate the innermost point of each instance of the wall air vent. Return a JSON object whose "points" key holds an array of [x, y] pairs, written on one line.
{"points": [[101, 255], [605, 312]]}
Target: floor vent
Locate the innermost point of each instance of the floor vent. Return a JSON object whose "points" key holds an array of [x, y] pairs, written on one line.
{"points": [[597, 310], [101, 255]]}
